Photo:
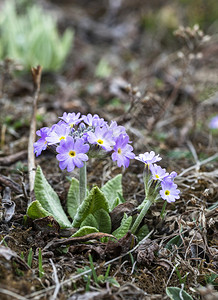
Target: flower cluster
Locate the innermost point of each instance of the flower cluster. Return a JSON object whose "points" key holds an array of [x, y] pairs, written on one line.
{"points": [[158, 183], [75, 136]]}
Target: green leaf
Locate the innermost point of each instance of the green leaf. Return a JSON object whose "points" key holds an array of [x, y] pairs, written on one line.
{"points": [[90, 221], [85, 230], [176, 240], [103, 219], [100, 219], [142, 232], [49, 199], [124, 227], [36, 211], [115, 203], [175, 292], [93, 202], [121, 198], [113, 189], [113, 281], [73, 200]]}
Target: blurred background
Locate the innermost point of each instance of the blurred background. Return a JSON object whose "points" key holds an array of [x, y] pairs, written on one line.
{"points": [[149, 63]]}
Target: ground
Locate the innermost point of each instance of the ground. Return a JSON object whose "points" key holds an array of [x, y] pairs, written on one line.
{"points": [[163, 88]]}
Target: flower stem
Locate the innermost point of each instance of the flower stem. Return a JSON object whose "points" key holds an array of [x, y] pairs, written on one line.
{"points": [[162, 214], [141, 216], [82, 183]]}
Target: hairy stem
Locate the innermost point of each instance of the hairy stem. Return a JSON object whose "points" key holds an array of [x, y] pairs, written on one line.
{"points": [[82, 183], [140, 216]]}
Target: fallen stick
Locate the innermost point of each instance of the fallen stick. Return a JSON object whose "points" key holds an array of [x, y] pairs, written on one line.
{"points": [[11, 184], [10, 159]]}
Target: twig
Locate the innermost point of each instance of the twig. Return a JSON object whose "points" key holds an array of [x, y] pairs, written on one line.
{"points": [[171, 274], [36, 73], [73, 278], [193, 151], [203, 162], [3, 131], [57, 287], [12, 294], [10, 159], [10, 183]]}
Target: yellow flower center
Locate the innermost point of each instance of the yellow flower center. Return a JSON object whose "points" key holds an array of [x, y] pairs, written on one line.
{"points": [[71, 125], [72, 153], [62, 138], [99, 141], [119, 151], [45, 142], [157, 176], [167, 193]]}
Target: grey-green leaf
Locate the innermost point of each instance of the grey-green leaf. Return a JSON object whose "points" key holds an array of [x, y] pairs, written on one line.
{"points": [[73, 201], [103, 219], [85, 230], [90, 221], [94, 201], [100, 219], [112, 189], [49, 200], [175, 292], [36, 211], [124, 227]]}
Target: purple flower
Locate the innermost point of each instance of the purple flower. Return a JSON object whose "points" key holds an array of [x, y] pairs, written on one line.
{"points": [[214, 123], [172, 175], [102, 137], [148, 157], [158, 173], [72, 153], [71, 119], [41, 144], [59, 132], [122, 151], [94, 120], [169, 191], [117, 129]]}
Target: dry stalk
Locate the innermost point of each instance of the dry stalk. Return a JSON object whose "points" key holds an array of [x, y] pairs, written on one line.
{"points": [[36, 74], [11, 294]]}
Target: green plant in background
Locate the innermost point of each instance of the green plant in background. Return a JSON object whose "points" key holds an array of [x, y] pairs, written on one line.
{"points": [[32, 38], [103, 69], [30, 258], [41, 270]]}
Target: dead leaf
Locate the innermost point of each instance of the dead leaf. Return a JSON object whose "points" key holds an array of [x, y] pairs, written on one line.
{"points": [[145, 252], [164, 263], [8, 205], [117, 213], [97, 251], [80, 239], [47, 225], [9, 254], [123, 245]]}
